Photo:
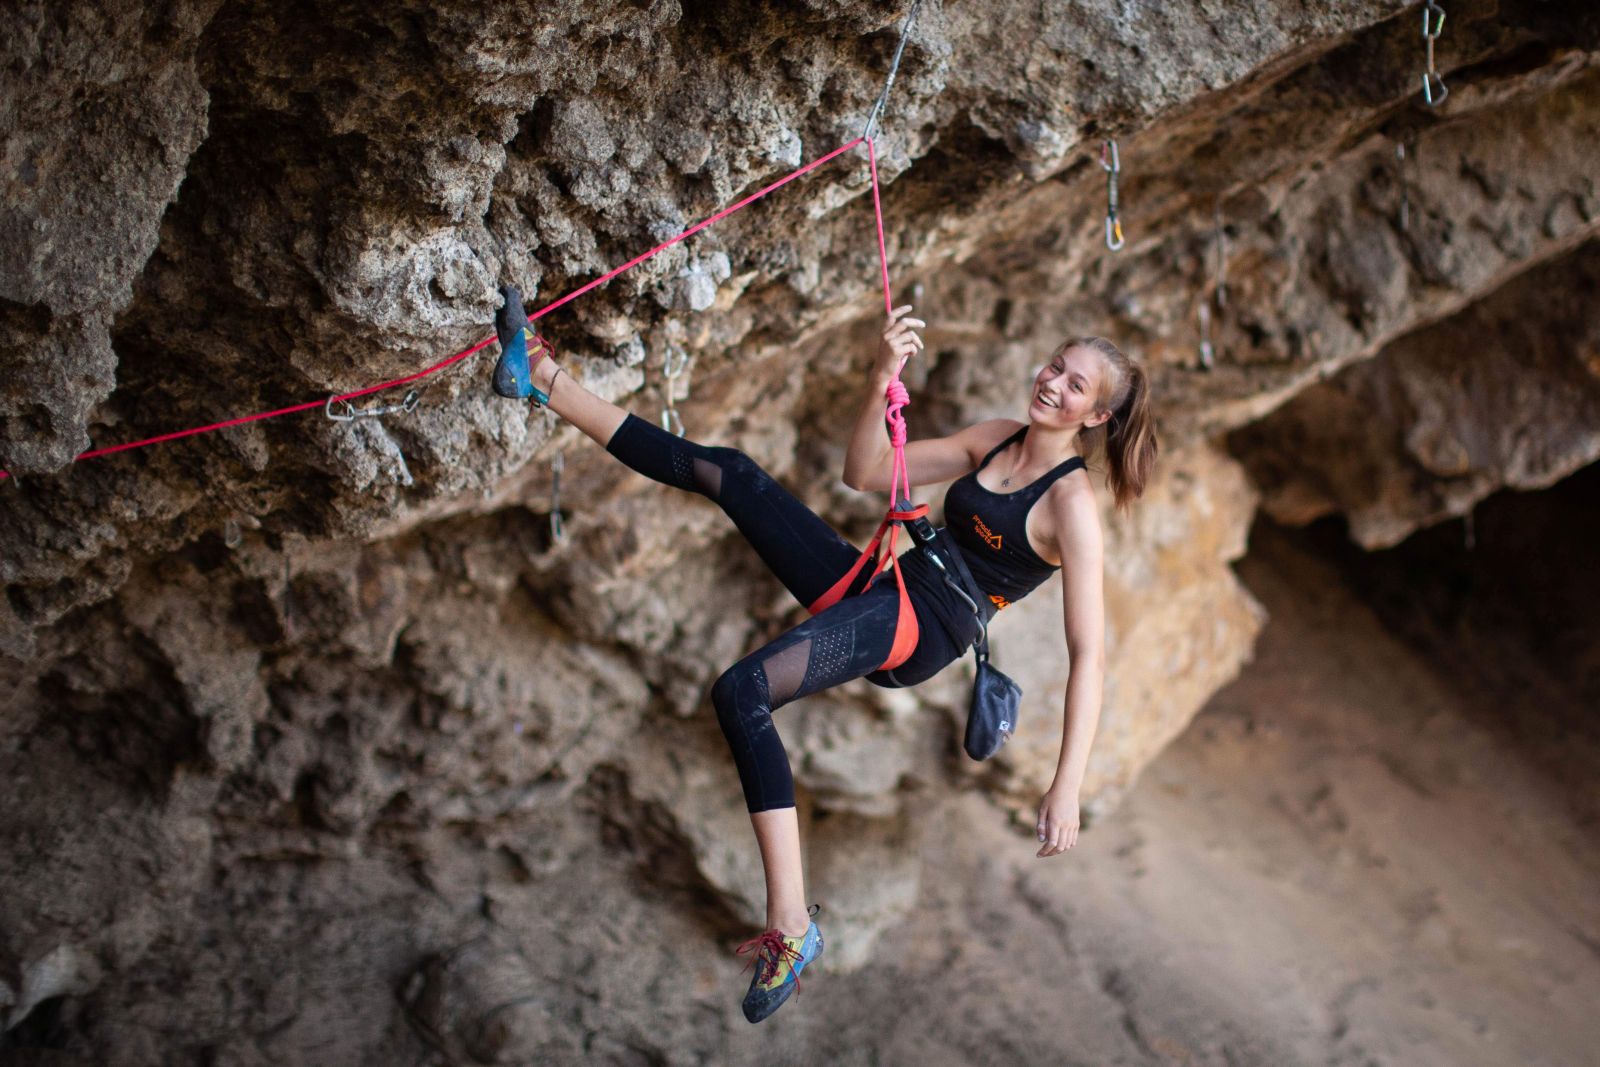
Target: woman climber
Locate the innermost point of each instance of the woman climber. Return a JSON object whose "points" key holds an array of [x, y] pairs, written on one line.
{"points": [[1032, 506]]}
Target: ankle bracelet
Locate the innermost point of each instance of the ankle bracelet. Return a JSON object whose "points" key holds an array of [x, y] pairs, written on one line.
{"points": [[541, 398]]}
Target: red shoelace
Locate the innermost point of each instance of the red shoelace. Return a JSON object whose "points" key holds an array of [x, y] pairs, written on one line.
{"points": [[771, 949]]}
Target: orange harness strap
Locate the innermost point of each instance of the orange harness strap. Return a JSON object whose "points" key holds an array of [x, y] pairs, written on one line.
{"points": [[905, 626]]}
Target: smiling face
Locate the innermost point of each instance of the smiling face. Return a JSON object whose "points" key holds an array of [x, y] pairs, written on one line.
{"points": [[1067, 388]]}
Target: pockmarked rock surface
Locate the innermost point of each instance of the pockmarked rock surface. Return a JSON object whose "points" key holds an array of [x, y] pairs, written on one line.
{"points": [[303, 719]]}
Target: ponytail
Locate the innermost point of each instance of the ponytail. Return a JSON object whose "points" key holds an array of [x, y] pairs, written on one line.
{"points": [[1128, 438]]}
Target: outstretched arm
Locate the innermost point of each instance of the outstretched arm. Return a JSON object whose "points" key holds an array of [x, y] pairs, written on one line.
{"points": [[1083, 608]]}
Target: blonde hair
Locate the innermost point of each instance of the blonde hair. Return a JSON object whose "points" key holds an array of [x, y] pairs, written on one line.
{"points": [[1128, 438]]}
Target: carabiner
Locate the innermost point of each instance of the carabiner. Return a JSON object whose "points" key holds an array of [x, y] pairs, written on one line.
{"points": [[351, 413], [1114, 239], [1429, 80]]}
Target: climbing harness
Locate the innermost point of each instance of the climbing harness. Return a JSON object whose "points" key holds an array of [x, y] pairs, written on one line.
{"points": [[558, 533], [1434, 90], [1111, 163], [671, 421], [350, 413]]}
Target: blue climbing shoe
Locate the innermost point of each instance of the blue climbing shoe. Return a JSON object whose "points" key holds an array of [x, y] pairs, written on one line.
{"points": [[513, 373], [779, 959]]}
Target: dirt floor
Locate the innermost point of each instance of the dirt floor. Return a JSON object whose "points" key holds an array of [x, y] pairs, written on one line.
{"points": [[1347, 859]]}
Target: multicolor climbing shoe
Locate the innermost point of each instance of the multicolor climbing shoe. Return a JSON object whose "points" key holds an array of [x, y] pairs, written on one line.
{"points": [[513, 374], [779, 959]]}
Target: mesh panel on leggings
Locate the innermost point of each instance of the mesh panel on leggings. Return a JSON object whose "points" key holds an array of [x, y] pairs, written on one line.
{"points": [[831, 654], [786, 671], [683, 466], [708, 476]]}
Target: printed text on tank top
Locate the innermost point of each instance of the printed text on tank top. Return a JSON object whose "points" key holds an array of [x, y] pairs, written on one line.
{"points": [[995, 540]]}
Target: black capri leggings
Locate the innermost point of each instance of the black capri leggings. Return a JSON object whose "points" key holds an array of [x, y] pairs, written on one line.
{"points": [[848, 640]]}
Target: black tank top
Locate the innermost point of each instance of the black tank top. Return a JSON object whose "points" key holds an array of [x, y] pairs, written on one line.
{"points": [[992, 529]]}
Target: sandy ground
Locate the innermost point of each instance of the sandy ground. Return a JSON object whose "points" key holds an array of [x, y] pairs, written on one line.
{"points": [[1347, 859]]}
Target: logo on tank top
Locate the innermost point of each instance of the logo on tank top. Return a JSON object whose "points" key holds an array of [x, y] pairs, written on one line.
{"points": [[999, 601], [991, 538]]}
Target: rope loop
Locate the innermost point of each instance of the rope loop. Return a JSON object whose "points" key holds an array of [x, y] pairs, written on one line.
{"points": [[898, 397]]}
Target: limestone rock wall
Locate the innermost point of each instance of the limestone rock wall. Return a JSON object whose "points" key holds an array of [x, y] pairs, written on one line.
{"points": [[1506, 394], [300, 705]]}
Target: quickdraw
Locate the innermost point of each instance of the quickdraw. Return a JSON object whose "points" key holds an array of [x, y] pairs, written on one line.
{"points": [[1434, 90], [1111, 163], [671, 421], [348, 412], [558, 533]]}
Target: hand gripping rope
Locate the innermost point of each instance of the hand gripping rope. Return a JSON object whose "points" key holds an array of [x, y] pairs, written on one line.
{"points": [[901, 510]]}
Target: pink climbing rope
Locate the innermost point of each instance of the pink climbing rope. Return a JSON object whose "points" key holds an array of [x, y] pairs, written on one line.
{"points": [[880, 551], [468, 352], [441, 365], [896, 394]]}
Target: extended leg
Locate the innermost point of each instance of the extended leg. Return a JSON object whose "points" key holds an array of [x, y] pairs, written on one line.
{"points": [[595, 416], [805, 553], [849, 640]]}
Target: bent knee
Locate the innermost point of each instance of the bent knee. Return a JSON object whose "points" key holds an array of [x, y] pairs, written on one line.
{"points": [[712, 464], [732, 461], [737, 695]]}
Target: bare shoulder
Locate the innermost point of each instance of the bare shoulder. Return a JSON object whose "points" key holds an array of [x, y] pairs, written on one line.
{"points": [[980, 437], [1074, 512]]}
